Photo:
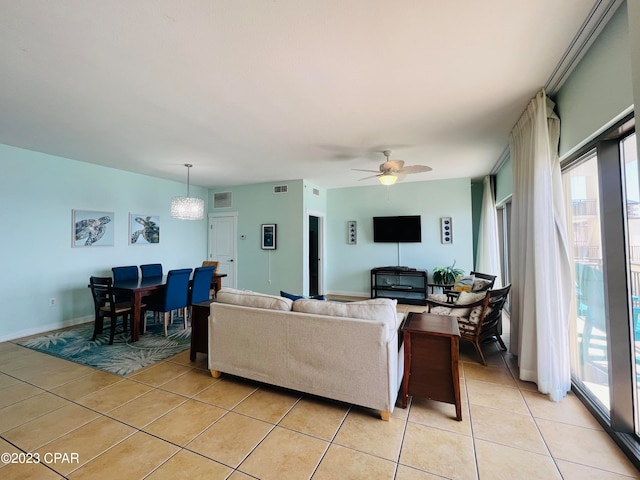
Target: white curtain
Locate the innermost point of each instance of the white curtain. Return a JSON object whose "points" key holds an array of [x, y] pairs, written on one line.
{"points": [[488, 250], [541, 279]]}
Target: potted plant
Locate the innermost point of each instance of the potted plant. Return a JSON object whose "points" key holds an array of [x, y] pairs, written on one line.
{"points": [[446, 275]]}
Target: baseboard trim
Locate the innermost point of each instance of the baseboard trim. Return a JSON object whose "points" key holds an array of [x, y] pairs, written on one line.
{"points": [[46, 328]]}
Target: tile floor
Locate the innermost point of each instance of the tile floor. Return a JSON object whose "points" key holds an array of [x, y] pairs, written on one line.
{"points": [[173, 420]]}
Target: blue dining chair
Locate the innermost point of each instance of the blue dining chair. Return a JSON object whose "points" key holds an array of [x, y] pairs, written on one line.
{"points": [[200, 290], [151, 270], [174, 297], [121, 274]]}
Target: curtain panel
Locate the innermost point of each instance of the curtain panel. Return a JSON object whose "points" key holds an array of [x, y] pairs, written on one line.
{"points": [[488, 250], [541, 279]]}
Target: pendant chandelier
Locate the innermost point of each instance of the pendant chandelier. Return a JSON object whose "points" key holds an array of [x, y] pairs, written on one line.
{"points": [[187, 208]]}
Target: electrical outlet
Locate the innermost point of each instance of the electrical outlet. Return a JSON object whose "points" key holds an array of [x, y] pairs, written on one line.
{"points": [[52, 302]]}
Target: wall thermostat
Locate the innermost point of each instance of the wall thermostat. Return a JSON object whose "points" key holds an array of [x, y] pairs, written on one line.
{"points": [[446, 230], [352, 232]]}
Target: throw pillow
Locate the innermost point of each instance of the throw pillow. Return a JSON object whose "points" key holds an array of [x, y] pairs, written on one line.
{"points": [[480, 285], [466, 298], [290, 295], [298, 297], [463, 283]]}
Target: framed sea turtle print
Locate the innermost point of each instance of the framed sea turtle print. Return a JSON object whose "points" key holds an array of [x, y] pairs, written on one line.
{"points": [[144, 229], [92, 229]]}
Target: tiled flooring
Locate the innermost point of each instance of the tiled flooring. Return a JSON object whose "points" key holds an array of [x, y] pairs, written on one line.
{"points": [[173, 420]]}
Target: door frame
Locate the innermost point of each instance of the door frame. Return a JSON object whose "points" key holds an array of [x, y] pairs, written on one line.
{"points": [[234, 215], [322, 250]]}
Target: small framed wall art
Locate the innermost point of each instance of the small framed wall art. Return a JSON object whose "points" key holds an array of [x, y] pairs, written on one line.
{"points": [[268, 236], [144, 229], [92, 229]]}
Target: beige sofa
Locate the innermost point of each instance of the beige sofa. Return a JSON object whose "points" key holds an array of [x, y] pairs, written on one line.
{"points": [[343, 351]]}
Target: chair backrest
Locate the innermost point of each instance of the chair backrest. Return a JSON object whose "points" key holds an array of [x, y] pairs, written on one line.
{"points": [[207, 263], [121, 274], [201, 286], [497, 299], [176, 292], [100, 291], [485, 279], [151, 270]]}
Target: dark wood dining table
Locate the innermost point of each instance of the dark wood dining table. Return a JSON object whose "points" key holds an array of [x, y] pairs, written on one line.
{"points": [[137, 289]]}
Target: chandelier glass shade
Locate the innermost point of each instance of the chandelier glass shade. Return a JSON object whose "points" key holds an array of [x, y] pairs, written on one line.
{"points": [[187, 208], [388, 179]]}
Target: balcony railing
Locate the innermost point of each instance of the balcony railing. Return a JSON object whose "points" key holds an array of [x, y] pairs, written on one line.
{"points": [[585, 207], [588, 252]]}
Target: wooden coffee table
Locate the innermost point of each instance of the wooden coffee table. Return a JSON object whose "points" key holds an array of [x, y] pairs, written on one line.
{"points": [[431, 359]]}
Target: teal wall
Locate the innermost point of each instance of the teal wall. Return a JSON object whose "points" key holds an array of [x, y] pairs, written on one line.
{"points": [[268, 271], [349, 265], [38, 193], [598, 91], [600, 87]]}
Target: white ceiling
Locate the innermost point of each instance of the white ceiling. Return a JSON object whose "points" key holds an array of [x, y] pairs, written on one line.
{"points": [[252, 91]]}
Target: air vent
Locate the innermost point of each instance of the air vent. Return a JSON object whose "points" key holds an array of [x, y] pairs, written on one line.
{"points": [[222, 200], [281, 189], [316, 192]]}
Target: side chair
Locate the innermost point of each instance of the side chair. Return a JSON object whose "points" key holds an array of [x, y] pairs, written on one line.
{"points": [[105, 306], [151, 270], [215, 264], [121, 274], [201, 285], [479, 316], [174, 297]]}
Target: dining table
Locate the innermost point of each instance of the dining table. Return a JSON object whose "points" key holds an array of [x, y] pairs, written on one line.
{"points": [[136, 289]]}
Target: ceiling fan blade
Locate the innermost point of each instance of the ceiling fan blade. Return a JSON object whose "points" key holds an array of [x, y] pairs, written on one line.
{"points": [[363, 170], [367, 178], [415, 169]]}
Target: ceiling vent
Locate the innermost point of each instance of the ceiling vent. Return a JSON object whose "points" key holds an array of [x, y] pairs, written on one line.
{"points": [[222, 200], [281, 189]]}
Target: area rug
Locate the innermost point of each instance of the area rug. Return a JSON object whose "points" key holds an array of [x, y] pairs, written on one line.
{"points": [[121, 358]]}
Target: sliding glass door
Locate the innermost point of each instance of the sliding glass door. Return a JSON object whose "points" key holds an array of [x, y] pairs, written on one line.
{"points": [[602, 191], [589, 337], [631, 182]]}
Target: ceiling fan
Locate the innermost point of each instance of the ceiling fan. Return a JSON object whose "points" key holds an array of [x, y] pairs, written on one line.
{"points": [[391, 170]]}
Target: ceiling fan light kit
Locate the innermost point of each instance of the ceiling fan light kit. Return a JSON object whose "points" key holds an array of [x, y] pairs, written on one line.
{"points": [[187, 208], [390, 170], [388, 179]]}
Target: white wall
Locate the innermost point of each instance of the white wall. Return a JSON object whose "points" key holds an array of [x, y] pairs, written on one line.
{"points": [[38, 193]]}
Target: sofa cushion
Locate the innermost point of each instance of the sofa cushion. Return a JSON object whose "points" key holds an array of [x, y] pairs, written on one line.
{"points": [[377, 309], [247, 298]]}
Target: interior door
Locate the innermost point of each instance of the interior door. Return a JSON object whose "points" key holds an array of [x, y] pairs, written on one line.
{"points": [[223, 247]]}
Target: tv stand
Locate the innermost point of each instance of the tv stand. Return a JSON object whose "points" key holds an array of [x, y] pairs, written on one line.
{"points": [[407, 285]]}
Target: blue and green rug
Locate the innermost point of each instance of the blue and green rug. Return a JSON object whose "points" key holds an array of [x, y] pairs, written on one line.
{"points": [[121, 358]]}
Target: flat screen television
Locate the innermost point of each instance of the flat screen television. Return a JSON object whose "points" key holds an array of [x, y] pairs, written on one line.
{"points": [[397, 229]]}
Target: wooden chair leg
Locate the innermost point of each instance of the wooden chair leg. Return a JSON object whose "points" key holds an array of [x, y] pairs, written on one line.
{"points": [[112, 329], [97, 328], [480, 354], [166, 323]]}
